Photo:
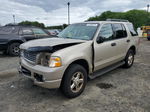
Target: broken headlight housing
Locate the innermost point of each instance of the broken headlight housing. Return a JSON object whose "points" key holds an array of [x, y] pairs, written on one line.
{"points": [[46, 59]]}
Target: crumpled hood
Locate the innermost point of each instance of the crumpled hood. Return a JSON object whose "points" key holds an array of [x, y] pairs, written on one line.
{"points": [[49, 42]]}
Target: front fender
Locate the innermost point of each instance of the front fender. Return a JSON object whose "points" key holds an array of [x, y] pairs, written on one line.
{"points": [[70, 54]]}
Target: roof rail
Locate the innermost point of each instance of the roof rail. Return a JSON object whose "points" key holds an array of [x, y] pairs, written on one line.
{"points": [[119, 20]]}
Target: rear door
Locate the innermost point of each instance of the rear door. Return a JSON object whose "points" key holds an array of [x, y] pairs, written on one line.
{"points": [[122, 40]]}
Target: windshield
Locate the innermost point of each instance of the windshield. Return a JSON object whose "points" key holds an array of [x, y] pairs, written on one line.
{"points": [[83, 31]]}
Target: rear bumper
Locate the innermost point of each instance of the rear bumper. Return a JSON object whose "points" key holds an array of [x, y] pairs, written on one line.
{"points": [[51, 77]]}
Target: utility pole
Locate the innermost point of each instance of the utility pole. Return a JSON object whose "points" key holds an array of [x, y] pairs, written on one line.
{"points": [[14, 19], [68, 12], [148, 7]]}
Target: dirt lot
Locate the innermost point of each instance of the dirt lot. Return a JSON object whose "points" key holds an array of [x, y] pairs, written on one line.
{"points": [[122, 90], [7, 62]]}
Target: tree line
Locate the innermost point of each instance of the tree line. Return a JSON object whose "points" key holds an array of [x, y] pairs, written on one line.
{"points": [[137, 17], [41, 25]]}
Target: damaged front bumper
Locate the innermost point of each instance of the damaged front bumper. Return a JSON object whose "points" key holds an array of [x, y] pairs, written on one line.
{"points": [[42, 76]]}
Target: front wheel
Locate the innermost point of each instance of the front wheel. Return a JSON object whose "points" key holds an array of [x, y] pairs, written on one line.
{"points": [[74, 81], [129, 59]]}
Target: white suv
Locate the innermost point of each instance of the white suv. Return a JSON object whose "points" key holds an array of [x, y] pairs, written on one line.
{"points": [[81, 51]]}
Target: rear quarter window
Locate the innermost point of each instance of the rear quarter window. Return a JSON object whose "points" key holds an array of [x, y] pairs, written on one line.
{"points": [[9, 30]]}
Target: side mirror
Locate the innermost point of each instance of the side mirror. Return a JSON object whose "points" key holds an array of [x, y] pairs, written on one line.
{"points": [[100, 39]]}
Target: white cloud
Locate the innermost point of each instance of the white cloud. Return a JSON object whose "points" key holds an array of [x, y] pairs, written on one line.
{"points": [[144, 8], [35, 13], [55, 13]]}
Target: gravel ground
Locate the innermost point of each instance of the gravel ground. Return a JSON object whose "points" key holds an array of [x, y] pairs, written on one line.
{"points": [[8, 62], [121, 90]]}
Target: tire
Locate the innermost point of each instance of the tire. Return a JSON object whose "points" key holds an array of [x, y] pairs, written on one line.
{"points": [[75, 76], [129, 59], [13, 49]]}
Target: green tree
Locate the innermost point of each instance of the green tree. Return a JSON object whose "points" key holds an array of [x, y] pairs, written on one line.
{"points": [[34, 23], [57, 27], [137, 17]]}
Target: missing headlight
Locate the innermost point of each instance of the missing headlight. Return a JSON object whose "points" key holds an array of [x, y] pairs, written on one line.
{"points": [[44, 58]]}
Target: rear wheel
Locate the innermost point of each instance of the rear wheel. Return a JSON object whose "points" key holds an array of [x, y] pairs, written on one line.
{"points": [[14, 49], [129, 59], [74, 81]]}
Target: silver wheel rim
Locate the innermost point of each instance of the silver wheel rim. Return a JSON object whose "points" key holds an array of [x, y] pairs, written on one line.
{"points": [[16, 49], [77, 81], [130, 59]]}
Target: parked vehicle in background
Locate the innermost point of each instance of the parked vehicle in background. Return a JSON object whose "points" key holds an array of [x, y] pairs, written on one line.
{"points": [[148, 34], [53, 32], [145, 30], [12, 36], [81, 51]]}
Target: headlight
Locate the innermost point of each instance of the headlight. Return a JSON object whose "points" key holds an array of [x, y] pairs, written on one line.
{"points": [[55, 62]]}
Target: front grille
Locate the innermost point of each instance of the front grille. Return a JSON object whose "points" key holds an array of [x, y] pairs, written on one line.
{"points": [[30, 56]]}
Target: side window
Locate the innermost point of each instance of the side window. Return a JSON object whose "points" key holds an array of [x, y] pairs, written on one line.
{"points": [[38, 31], [106, 32], [131, 29], [124, 31], [8, 30], [26, 31], [120, 31]]}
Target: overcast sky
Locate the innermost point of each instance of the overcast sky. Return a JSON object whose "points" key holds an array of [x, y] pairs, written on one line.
{"points": [[54, 12]]}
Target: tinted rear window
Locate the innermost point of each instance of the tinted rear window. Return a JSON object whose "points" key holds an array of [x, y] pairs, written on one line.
{"points": [[9, 30], [120, 30]]}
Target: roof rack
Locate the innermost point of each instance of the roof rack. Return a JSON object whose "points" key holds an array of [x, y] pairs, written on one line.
{"points": [[118, 20]]}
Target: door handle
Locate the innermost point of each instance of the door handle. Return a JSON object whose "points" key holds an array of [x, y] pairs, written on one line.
{"points": [[113, 44], [128, 41]]}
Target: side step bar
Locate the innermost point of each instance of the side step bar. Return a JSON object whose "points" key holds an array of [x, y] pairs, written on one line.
{"points": [[105, 70]]}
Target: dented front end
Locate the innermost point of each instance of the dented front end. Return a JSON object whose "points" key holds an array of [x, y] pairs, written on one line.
{"points": [[46, 64]]}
